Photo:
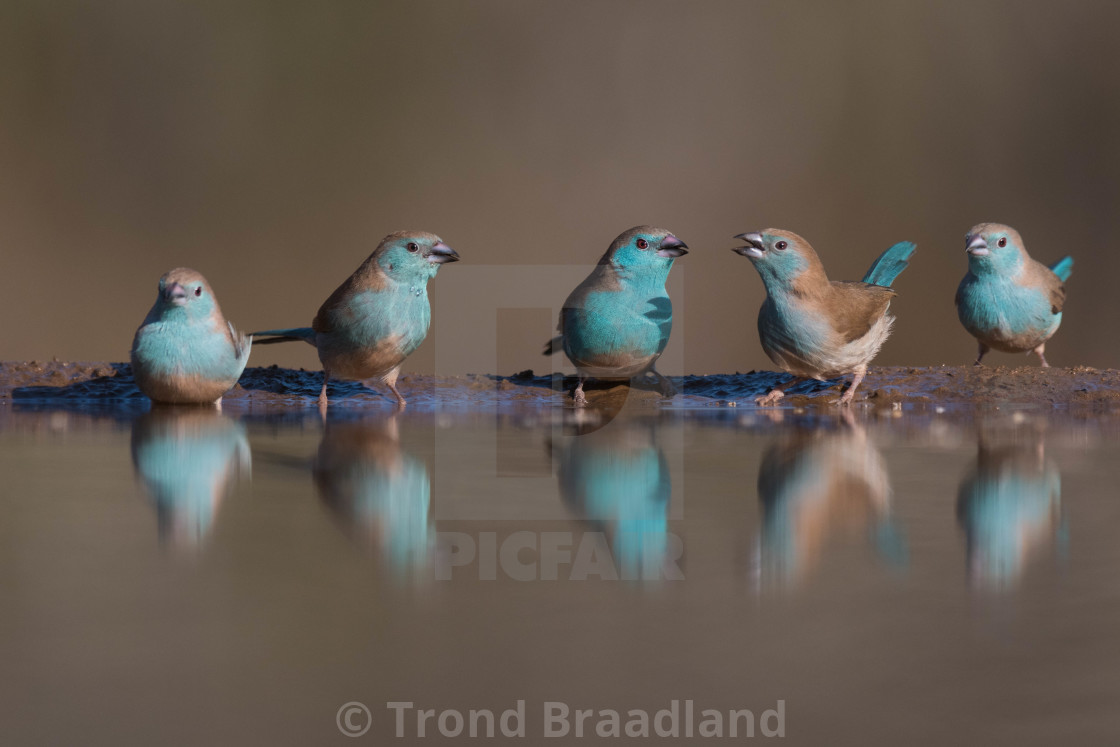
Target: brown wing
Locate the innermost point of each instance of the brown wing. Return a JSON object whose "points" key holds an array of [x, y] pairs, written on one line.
{"points": [[1040, 275], [853, 307], [367, 277]]}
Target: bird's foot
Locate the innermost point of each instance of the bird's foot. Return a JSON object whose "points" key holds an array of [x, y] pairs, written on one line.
{"points": [[770, 399], [579, 399], [397, 397], [667, 388]]}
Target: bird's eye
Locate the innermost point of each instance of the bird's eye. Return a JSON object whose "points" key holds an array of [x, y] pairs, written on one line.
{"points": [[1002, 242], [198, 291], [642, 243], [412, 247], [780, 245]]}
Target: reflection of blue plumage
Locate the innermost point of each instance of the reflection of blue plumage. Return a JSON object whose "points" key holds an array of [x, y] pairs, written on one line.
{"points": [[811, 486], [1008, 505], [618, 478], [187, 461], [381, 493]]}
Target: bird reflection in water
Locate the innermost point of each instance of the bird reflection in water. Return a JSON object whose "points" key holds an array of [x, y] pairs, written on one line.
{"points": [[814, 484], [617, 478], [380, 494], [188, 460], [1009, 505]]}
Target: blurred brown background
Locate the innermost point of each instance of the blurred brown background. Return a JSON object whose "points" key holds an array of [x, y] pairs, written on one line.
{"points": [[271, 145]]}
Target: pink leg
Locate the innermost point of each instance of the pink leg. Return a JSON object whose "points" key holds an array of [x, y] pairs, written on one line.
{"points": [[846, 398], [323, 393], [390, 380], [1039, 351], [578, 395]]}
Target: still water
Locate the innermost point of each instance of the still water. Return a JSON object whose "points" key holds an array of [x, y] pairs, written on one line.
{"points": [[202, 577]]}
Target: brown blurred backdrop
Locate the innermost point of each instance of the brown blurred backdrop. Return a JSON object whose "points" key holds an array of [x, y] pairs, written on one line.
{"points": [[270, 145]]}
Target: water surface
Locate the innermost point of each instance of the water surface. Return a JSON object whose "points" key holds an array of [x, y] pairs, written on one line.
{"points": [[190, 576]]}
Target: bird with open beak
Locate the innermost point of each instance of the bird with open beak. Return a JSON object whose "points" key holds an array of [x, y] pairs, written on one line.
{"points": [[812, 327]]}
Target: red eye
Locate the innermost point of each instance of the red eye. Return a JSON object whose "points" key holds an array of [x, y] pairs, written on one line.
{"points": [[642, 243], [780, 245], [198, 291], [412, 247], [1002, 243]]}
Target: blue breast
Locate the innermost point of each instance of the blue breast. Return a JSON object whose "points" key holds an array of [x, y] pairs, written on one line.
{"points": [[187, 348], [619, 324], [992, 306], [399, 312], [787, 328]]}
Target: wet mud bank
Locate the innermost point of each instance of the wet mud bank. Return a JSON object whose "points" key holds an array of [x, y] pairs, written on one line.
{"points": [[32, 382]]}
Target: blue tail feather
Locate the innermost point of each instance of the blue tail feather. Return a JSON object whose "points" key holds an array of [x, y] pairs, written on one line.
{"points": [[1063, 268], [284, 335], [890, 264]]}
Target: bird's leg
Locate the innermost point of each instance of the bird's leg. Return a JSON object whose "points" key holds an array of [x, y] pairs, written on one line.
{"points": [[323, 393], [664, 384], [577, 393], [846, 398], [983, 351], [390, 380], [1039, 350], [777, 392]]}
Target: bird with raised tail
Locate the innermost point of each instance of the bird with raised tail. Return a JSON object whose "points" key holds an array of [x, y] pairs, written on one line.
{"points": [[378, 316], [815, 328], [185, 352], [616, 323], [1008, 301]]}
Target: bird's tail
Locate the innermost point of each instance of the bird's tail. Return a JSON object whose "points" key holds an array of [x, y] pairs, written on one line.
{"points": [[284, 335], [553, 346], [890, 264], [1063, 268]]}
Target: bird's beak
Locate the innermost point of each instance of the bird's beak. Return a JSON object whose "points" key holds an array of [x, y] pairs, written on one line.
{"points": [[441, 253], [754, 249], [175, 294], [672, 247], [977, 247]]}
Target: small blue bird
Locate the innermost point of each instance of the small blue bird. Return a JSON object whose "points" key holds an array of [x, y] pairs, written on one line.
{"points": [[616, 323], [375, 319], [1007, 300], [185, 352], [815, 328]]}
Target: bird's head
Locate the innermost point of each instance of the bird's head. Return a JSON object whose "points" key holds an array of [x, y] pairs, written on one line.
{"points": [[645, 248], [779, 256], [184, 291], [409, 255], [994, 248]]}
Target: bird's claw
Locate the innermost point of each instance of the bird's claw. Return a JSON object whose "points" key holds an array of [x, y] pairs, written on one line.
{"points": [[770, 399]]}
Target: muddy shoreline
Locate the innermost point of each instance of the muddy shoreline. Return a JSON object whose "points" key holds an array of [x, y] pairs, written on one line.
{"points": [[892, 387]]}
